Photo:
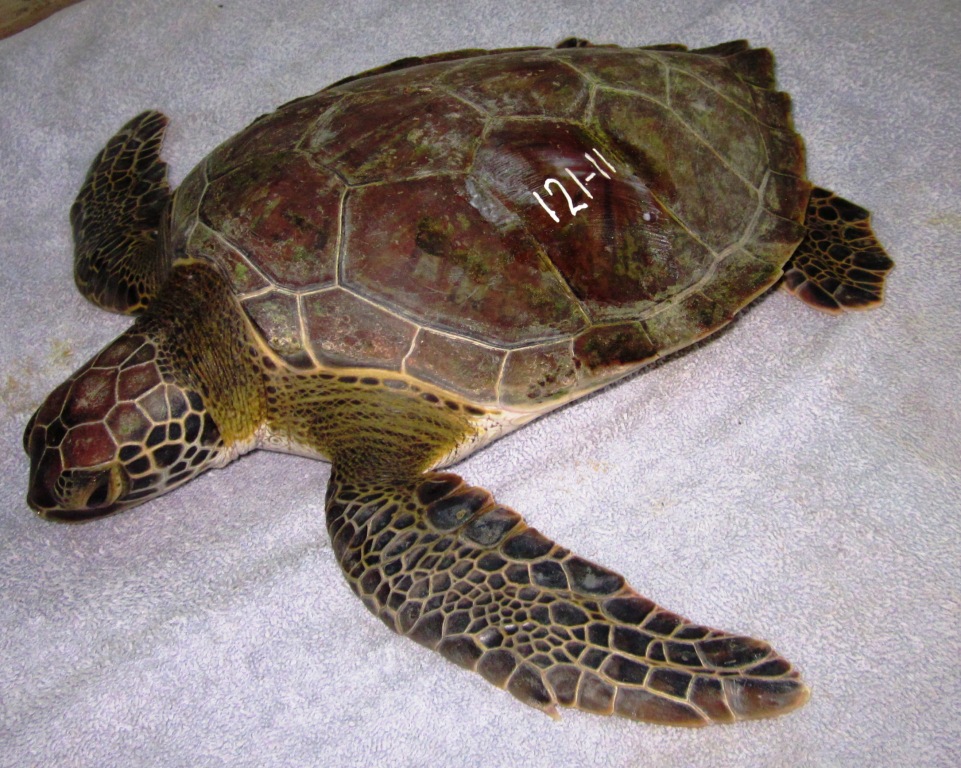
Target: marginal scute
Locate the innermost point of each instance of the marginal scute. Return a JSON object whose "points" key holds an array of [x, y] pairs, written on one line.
{"points": [[724, 49], [613, 347], [715, 71], [346, 330], [408, 72], [785, 151], [773, 108], [186, 202], [393, 135], [636, 71], [536, 374], [276, 316], [786, 196], [737, 278], [457, 364], [284, 127], [685, 321], [774, 238], [532, 84], [755, 66], [242, 276]]}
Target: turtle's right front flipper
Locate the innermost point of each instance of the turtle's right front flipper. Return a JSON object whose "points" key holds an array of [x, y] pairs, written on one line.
{"points": [[443, 563], [119, 261]]}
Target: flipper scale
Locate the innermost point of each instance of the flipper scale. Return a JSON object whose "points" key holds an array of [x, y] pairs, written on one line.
{"points": [[119, 261], [443, 563], [840, 264]]}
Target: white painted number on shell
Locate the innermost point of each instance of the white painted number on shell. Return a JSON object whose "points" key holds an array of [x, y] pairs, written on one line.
{"points": [[556, 184]]}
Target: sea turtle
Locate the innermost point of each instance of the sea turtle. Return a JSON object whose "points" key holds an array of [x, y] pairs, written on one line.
{"points": [[395, 271]]}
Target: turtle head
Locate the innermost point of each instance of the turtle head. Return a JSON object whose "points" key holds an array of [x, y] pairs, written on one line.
{"points": [[117, 433]]}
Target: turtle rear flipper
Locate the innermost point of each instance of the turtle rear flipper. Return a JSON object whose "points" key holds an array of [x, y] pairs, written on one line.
{"points": [[839, 265], [442, 563], [119, 262]]}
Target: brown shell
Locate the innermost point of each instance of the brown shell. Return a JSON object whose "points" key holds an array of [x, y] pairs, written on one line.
{"points": [[516, 226]]}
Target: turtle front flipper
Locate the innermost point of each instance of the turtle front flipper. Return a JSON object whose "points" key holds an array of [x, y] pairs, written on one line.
{"points": [[119, 262], [840, 264], [443, 563]]}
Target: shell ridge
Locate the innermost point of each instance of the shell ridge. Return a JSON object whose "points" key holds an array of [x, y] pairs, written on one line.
{"points": [[721, 158], [312, 126], [193, 214], [304, 335], [320, 164], [410, 350], [378, 303], [339, 262], [719, 257], [680, 119], [235, 249], [445, 88]]}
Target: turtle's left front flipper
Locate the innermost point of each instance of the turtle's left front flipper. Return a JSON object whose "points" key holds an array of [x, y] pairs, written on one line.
{"points": [[119, 263], [443, 563]]}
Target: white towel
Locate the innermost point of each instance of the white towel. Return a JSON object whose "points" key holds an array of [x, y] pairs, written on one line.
{"points": [[796, 479]]}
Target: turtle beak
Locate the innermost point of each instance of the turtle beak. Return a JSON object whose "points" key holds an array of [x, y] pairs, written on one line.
{"points": [[73, 495], [27, 432]]}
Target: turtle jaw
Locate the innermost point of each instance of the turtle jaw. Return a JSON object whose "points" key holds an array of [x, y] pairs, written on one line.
{"points": [[77, 495]]}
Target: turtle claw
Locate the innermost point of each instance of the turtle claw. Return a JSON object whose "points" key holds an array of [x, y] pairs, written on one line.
{"points": [[754, 698], [443, 563]]}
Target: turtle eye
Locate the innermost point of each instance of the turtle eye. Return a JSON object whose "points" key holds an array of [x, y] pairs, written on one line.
{"points": [[100, 494]]}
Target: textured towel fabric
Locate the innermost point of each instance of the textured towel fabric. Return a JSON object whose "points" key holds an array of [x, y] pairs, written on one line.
{"points": [[796, 479]]}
